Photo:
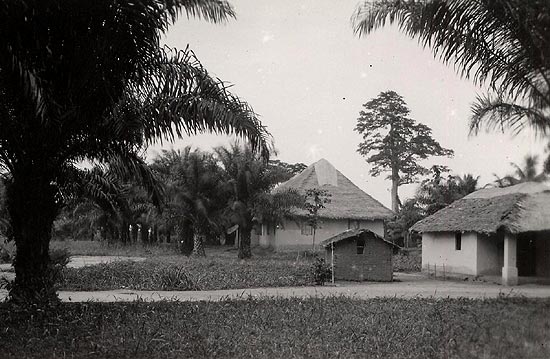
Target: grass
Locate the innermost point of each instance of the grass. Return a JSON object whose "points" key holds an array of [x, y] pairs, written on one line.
{"points": [[282, 328], [189, 273], [98, 248]]}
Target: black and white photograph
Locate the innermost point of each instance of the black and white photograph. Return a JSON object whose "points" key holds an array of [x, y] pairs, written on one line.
{"points": [[275, 179]]}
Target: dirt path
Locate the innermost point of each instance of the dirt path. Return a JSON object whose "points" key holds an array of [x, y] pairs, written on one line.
{"points": [[6, 269], [408, 287]]}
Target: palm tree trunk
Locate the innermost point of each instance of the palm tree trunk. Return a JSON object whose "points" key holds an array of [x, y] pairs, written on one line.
{"points": [[244, 243], [198, 246], [32, 208], [183, 235]]}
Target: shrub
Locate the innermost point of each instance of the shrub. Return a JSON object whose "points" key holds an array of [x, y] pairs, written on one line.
{"points": [[7, 250], [407, 262], [5, 256], [322, 272], [59, 258]]}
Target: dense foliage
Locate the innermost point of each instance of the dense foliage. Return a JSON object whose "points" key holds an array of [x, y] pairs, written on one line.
{"points": [[433, 194], [91, 81], [198, 203], [251, 200]]}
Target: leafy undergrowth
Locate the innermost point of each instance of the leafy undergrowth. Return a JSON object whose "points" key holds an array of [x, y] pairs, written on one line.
{"points": [[407, 262], [189, 274], [282, 328]]}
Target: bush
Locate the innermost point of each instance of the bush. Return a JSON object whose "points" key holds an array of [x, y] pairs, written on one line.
{"points": [[407, 261], [7, 250], [59, 258], [5, 256], [322, 272]]}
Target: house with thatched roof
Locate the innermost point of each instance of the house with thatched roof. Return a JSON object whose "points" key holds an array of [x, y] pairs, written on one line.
{"points": [[349, 208], [494, 231]]}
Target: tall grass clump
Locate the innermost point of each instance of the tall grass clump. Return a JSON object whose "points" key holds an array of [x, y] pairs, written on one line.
{"points": [[128, 274]]}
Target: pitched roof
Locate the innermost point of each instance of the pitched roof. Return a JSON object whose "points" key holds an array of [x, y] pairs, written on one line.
{"points": [[516, 209], [347, 201], [349, 234]]}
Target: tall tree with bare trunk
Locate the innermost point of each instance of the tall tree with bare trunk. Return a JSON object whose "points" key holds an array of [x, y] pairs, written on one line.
{"points": [[395, 143]]}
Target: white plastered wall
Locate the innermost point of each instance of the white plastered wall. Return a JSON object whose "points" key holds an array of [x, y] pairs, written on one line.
{"points": [[490, 254], [439, 253], [289, 236]]}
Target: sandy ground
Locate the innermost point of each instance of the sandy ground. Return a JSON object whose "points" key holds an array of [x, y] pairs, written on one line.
{"points": [[407, 286]]}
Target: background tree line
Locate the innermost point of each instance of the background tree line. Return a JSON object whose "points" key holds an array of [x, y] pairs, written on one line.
{"points": [[203, 195]]}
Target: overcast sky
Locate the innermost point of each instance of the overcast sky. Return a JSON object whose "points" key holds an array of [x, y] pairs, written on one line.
{"points": [[299, 65]]}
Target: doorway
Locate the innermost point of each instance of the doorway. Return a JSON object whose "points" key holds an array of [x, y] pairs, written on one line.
{"points": [[526, 256]]}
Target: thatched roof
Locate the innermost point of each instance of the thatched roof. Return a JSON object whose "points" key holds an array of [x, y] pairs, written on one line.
{"points": [[347, 200], [516, 209], [350, 233]]}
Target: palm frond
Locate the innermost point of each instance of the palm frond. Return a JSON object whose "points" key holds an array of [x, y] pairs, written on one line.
{"points": [[210, 10], [179, 97], [130, 166], [497, 113], [505, 43]]}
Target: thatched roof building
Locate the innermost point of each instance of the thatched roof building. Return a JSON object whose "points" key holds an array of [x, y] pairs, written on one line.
{"points": [[347, 200], [516, 209]]}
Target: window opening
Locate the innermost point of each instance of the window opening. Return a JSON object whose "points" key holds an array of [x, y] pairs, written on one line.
{"points": [[306, 229], [458, 241], [360, 245]]}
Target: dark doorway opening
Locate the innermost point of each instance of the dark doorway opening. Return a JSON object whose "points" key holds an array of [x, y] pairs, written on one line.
{"points": [[526, 256]]}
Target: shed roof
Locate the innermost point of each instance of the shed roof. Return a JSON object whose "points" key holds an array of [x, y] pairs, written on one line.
{"points": [[351, 233], [347, 200], [516, 209]]}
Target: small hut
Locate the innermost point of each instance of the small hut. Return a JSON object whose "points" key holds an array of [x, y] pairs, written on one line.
{"points": [[491, 232], [360, 254]]}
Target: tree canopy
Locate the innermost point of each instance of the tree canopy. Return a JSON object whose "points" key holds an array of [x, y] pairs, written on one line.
{"points": [[91, 81], [433, 193], [395, 143]]}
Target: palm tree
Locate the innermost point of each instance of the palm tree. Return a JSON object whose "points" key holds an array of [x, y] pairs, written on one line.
{"points": [[505, 44], [526, 173], [250, 180], [198, 181], [438, 192], [90, 81]]}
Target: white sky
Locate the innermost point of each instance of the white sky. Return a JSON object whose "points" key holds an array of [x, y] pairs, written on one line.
{"points": [[299, 65]]}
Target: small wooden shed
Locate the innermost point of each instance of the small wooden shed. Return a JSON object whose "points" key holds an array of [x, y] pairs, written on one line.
{"points": [[359, 255]]}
